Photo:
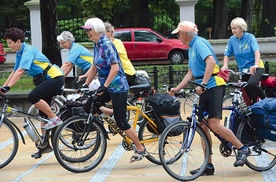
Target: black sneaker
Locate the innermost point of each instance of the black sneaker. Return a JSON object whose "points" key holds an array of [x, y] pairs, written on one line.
{"points": [[208, 171], [241, 158], [39, 153]]}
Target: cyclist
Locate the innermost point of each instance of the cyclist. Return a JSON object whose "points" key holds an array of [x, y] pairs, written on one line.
{"points": [[126, 63], [78, 55], [244, 47], [33, 62], [203, 66], [113, 81]]}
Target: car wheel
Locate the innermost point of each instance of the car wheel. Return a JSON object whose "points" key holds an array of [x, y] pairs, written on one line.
{"points": [[176, 57]]}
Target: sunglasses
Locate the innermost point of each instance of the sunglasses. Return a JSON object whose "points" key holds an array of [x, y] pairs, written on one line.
{"points": [[87, 30]]}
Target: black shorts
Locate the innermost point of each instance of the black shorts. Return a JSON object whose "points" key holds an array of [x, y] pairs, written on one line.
{"points": [[212, 100]]}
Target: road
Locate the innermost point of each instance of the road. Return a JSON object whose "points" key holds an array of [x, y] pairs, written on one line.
{"points": [[115, 167]]}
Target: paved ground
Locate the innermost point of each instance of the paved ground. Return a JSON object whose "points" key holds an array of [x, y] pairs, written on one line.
{"points": [[115, 167]]}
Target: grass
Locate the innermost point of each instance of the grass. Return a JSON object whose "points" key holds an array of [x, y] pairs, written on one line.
{"points": [[23, 85]]}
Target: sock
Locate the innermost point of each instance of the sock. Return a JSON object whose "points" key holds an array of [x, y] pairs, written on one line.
{"points": [[243, 148]]}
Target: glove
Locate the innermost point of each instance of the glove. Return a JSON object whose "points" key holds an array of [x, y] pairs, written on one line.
{"points": [[101, 89], [5, 89]]}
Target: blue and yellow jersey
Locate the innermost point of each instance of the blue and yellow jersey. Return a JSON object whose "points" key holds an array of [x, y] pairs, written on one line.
{"points": [[243, 49], [80, 56], [34, 62], [199, 50]]}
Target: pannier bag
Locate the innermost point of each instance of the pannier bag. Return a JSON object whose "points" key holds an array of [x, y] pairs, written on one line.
{"points": [[166, 110], [264, 118]]}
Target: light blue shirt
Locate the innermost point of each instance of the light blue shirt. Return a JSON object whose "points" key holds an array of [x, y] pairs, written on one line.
{"points": [[80, 56], [199, 50], [243, 49], [34, 62]]}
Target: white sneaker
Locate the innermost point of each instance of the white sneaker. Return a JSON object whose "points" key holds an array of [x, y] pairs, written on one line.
{"points": [[52, 124]]}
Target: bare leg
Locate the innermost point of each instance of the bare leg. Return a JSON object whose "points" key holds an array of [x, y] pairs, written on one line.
{"points": [[224, 132], [44, 107], [207, 132], [133, 136]]}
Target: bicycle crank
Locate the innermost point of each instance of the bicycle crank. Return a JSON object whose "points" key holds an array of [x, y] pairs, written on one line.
{"points": [[127, 146], [224, 150]]}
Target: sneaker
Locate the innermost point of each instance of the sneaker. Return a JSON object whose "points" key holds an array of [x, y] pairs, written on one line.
{"points": [[241, 158], [39, 153], [52, 124], [208, 171]]}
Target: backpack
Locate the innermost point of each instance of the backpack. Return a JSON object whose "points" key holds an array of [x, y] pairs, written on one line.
{"points": [[264, 118], [166, 110]]}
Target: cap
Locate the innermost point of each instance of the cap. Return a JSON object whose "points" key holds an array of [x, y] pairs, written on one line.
{"points": [[88, 24], [186, 26], [66, 35]]}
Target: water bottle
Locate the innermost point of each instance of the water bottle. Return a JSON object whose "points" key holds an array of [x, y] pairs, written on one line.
{"points": [[139, 103], [30, 131]]}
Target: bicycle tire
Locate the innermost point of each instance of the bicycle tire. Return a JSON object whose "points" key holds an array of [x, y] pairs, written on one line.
{"points": [[151, 147], [188, 103], [263, 151], [178, 161], [9, 143], [85, 155], [55, 106]]}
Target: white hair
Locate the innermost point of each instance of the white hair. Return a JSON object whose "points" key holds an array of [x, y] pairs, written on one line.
{"points": [[96, 24]]}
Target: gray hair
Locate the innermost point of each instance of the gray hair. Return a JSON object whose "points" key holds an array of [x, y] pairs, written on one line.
{"points": [[96, 24], [66, 35], [108, 27], [240, 22]]}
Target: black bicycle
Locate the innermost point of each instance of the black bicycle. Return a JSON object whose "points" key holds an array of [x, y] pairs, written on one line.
{"points": [[179, 154]]}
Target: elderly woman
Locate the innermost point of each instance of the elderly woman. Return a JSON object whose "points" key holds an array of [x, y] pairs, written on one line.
{"points": [[33, 62], [113, 81], [126, 63], [244, 47], [78, 55]]}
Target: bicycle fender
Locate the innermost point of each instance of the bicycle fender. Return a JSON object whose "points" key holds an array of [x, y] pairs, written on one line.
{"points": [[18, 130]]}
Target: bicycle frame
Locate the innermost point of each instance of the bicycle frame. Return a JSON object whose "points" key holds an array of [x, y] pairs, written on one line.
{"points": [[138, 112]]}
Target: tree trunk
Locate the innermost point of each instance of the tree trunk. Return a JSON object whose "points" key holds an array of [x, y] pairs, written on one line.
{"points": [[247, 13], [268, 20], [140, 13], [220, 19], [49, 27]]}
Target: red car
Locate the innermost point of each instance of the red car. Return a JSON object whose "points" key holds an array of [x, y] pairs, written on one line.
{"points": [[3, 54], [144, 44]]}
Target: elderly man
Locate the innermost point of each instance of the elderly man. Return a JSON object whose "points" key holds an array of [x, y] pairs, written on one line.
{"points": [[203, 66]]}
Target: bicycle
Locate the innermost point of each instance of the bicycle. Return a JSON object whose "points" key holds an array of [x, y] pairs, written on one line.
{"points": [[182, 153], [9, 139], [84, 138]]}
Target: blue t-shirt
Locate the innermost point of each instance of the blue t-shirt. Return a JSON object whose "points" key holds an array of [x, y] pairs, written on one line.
{"points": [[34, 62], [106, 54], [80, 56], [199, 50], [243, 49]]}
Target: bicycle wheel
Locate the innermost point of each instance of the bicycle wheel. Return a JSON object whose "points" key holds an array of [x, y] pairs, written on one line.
{"points": [[188, 103], [177, 158], [152, 143], [263, 151], [8, 143], [55, 106], [78, 145]]}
